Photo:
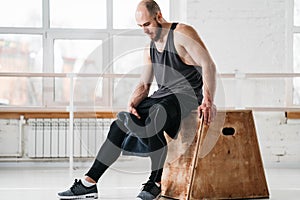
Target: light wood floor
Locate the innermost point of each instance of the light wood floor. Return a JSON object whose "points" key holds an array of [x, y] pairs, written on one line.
{"points": [[42, 181]]}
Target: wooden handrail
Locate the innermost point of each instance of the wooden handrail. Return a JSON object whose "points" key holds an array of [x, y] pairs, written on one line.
{"points": [[292, 115], [29, 114], [55, 114]]}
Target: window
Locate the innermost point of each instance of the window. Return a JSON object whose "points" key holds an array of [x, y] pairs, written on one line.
{"points": [[128, 59], [90, 14], [123, 20], [296, 13], [77, 56], [54, 36], [20, 53], [18, 13], [296, 68], [296, 50]]}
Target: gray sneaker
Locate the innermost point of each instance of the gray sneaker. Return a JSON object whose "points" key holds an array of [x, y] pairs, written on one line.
{"points": [[150, 191], [79, 191]]}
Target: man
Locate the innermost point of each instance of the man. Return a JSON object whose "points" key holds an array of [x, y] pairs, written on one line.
{"points": [[186, 78]]}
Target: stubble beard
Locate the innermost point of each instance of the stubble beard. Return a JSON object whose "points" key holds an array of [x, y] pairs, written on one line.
{"points": [[158, 32]]}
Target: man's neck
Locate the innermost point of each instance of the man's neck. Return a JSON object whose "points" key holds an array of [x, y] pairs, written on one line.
{"points": [[165, 30]]}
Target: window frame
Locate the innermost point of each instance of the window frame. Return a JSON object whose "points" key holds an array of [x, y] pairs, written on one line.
{"points": [[49, 35], [291, 29]]}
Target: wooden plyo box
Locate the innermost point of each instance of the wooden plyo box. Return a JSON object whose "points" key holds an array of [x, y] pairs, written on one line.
{"points": [[221, 161]]}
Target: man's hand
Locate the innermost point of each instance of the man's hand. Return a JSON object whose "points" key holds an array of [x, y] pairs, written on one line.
{"points": [[133, 111], [208, 110]]}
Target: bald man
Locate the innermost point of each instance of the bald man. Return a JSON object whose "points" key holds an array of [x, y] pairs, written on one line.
{"points": [[186, 78]]}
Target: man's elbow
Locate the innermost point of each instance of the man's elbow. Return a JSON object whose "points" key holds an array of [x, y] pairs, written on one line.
{"points": [[145, 87], [210, 67]]}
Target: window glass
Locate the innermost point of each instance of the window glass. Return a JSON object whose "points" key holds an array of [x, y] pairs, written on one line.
{"points": [[21, 91], [128, 59], [78, 14], [128, 53], [77, 56], [123, 88], [21, 53], [296, 68], [20, 13], [124, 13], [297, 12]]}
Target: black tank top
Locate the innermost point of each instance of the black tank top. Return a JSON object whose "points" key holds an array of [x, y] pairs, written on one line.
{"points": [[172, 75]]}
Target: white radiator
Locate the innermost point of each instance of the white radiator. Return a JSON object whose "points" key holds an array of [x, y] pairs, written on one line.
{"points": [[48, 138], [9, 138]]}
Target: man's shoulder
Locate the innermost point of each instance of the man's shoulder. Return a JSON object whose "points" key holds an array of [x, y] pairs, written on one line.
{"points": [[185, 29], [181, 27]]}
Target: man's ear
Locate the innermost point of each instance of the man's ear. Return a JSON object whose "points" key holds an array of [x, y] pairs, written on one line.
{"points": [[159, 17]]}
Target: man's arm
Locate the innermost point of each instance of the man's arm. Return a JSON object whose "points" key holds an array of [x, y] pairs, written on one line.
{"points": [[143, 87], [195, 48]]}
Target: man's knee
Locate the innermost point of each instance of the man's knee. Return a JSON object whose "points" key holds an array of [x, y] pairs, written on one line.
{"points": [[116, 134]]}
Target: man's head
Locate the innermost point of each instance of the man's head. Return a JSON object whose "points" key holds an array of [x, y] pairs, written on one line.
{"points": [[148, 16]]}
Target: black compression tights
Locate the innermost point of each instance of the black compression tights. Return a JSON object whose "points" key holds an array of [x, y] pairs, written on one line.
{"points": [[111, 150]]}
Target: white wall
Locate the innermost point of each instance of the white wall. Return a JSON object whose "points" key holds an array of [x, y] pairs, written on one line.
{"points": [[250, 36]]}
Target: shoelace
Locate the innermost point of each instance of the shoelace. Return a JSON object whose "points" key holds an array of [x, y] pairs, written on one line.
{"points": [[75, 184], [148, 186]]}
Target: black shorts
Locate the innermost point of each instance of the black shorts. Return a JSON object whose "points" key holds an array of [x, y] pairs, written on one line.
{"points": [[177, 106]]}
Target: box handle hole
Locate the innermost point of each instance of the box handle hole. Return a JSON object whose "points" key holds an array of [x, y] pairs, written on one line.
{"points": [[228, 131]]}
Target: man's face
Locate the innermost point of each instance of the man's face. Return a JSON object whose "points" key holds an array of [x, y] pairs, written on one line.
{"points": [[149, 24]]}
